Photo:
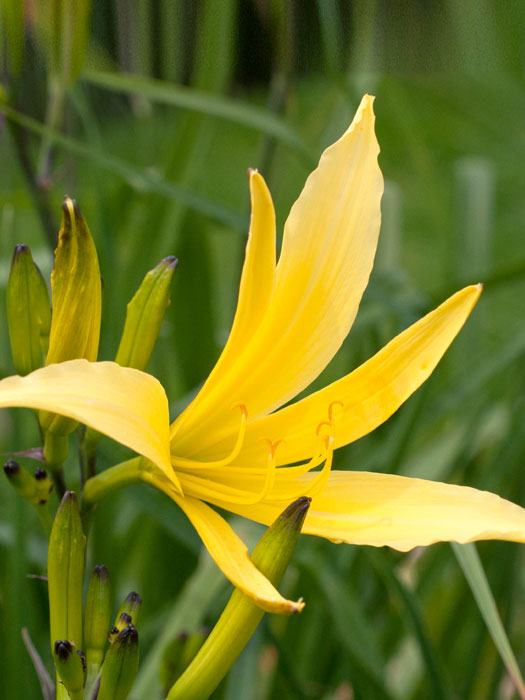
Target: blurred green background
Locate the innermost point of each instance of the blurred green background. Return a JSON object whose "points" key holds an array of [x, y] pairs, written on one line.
{"points": [[149, 112]]}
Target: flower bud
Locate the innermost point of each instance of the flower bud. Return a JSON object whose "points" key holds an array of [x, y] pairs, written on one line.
{"points": [[120, 666], [241, 616], [97, 616], [76, 294], [145, 314], [131, 607], [65, 571], [28, 312], [35, 489], [69, 664]]}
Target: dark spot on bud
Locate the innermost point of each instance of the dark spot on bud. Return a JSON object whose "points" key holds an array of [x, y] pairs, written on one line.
{"points": [[83, 659], [170, 261], [101, 571], [125, 618], [134, 598], [113, 631], [42, 502], [128, 635], [11, 467], [69, 496], [40, 474], [19, 250], [63, 649]]}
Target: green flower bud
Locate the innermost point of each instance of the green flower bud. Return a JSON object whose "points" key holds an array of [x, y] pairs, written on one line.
{"points": [[70, 666], [130, 607], [120, 666], [28, 312], [35, 489], [65, 572], [241, 616], [97, 617], [145, 314], [76, 293]]}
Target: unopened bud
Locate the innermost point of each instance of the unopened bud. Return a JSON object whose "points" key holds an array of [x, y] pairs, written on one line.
{"points": [[241, 616], [120, 666], [69, 664], [128, 613], [97, 615], [145, 314], [76, 295], [35, 489], [28, 312], [65, 571]]}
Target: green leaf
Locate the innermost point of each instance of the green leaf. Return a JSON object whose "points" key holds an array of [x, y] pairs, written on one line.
{"points": [[204, 103], [468, 558]]}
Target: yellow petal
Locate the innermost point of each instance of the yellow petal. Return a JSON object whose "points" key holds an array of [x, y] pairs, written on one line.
{"points": [[256, 287], [386, 509], [125, 404], [231, 555], [367, 396], [328, 248]]}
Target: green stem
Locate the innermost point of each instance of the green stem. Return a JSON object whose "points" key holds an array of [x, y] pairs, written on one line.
{"points": [[133, 471], [45, 517], [55, 452]]}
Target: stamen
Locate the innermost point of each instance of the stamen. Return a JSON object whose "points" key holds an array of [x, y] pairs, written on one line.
{"points": [[332, 415], [184, 463], [205, 489], [322, 477]]}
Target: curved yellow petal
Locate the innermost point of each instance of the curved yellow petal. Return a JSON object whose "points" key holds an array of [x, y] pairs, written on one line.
{"points": [[401, 512], [366, 397], [328, 249], [231, 555], [256, 287], [127, 405]]}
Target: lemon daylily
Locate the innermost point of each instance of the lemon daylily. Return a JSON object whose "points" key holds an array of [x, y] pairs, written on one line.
{"points": [[230, 447]]}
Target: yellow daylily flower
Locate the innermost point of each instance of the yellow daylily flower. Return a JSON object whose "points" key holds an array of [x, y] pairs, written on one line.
{"points": [[234, 446]]}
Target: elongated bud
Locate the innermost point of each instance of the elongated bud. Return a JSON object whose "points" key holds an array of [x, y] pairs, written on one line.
{"points": [[65, 571], [145, 314], [69, 664], [28, 312], [97, 615], [35, 489], [120, 666], [128, 614], [241, 616], [131, 607], [97, 618], [76, 293]]}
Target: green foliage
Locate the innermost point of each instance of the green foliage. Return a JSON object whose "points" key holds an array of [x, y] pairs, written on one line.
{"points": [[154, 141]]}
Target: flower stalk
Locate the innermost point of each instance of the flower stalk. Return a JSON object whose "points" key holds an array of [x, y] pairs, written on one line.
{"points": [[241, 616]]}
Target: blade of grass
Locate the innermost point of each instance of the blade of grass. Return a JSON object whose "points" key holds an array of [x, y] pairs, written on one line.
{"points": [[468, 558], [138, 179], [205, 103]]}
